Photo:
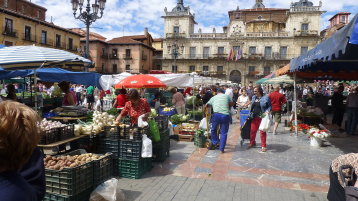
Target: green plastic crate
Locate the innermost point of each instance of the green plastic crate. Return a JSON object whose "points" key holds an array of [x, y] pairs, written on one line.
{"points": [[134, 169], [83, 196], [102, 169], [199, 140]]}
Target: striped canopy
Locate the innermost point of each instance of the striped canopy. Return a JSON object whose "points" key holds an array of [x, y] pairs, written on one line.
{"points": [[283, 79], [31, 57]]}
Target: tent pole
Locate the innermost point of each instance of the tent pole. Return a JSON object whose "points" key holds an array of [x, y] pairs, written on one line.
{"points": [[35, 83], [295, 98]]}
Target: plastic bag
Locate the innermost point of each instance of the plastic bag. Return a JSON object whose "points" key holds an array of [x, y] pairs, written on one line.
{"points": [[154, 130], [97, 106], [84, 102], [232, 111], [108, 191], [146, 147], [265, 123], [203, 124], [141, 123]]}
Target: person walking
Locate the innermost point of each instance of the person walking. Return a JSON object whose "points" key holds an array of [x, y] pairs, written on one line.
{"points": [[352, 111], [277, 100], [221, 104], [338, 107], [90, 96], [78, 90], [242, 102], [260, 105], [178, 101]]}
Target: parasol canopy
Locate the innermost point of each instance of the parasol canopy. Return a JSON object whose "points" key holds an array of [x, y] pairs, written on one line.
{"points": [[283, 79], [140, 81]]}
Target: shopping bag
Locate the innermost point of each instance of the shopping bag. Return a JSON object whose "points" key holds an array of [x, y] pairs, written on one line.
{"points": [[141, 122], [146, 147], [110, 190], [203, 124], [265, 123], [154, 130]]}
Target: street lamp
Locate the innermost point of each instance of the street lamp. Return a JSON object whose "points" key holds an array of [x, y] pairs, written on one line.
{"points": [[87, 17], [176, 50]]}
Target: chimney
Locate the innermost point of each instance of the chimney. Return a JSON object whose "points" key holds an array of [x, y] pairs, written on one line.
{"points": [[146, 31]]}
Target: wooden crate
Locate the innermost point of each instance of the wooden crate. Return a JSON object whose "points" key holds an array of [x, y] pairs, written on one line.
{"points": [[186, 138]]}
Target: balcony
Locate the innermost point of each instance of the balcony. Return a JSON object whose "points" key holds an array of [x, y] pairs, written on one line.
{"points": [[104, 55], [304, 8], [127, 57], [144, 57], [60, 45], [47, 42], [113, 56], [208, 35], [73, 48], [29, 37], [10, 32], [266, 34], [306, 33], [175, 35]]}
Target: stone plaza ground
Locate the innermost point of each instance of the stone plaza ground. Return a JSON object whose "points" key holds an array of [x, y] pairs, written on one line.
{"points": [[290, 170]]}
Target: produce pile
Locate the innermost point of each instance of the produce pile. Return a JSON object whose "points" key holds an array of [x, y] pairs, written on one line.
{"points": [[61, 162], [168, 109], [179, 118], [46, 125], [100, 120]]}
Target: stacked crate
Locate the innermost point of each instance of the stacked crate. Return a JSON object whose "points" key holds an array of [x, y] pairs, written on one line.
{"points": [[161, 148]]}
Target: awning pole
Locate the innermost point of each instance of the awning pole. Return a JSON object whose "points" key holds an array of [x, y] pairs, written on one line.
{"points": [[295, 98], [35, 83]]}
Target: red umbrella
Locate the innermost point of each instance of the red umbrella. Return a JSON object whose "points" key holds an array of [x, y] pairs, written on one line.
{"points": [[140, 81]]}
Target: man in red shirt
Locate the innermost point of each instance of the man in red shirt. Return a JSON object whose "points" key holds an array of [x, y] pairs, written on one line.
{"points": [[277, 100]]}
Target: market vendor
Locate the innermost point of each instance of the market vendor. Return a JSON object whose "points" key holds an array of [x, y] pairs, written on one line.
{"points": [[11, 92], [135, 107], [70, 97]]}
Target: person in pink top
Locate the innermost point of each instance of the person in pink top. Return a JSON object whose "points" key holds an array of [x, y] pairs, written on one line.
{"points": [[178, 101], [70, 97]]}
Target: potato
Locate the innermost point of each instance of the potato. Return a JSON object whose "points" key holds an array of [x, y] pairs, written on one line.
{"points": [[53, 163], [73, 165], [69, 163], [57, 167]]}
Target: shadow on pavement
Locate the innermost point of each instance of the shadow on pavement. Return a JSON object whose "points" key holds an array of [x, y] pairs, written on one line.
{"points": [[277, 148], [346, 144], [131, 195]]}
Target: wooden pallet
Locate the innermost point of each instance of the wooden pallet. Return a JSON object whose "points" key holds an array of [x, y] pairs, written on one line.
{"points": [[186, 138]]}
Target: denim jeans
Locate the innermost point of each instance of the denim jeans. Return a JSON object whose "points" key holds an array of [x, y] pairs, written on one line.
{"points": [[224, 121], [352, 118]]}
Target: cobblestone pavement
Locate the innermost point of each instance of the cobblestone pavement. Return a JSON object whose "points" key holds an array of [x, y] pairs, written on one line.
{"points": [[290, 170]]}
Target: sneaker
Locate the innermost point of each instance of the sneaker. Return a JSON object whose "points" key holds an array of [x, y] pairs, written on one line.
{"points": [[250, 146], [263, 149], [274, 132]]}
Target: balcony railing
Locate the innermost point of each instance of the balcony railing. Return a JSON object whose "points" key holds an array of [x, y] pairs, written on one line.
{"points": [[60, 45], [175, 35], [306, 33], [47, 42], [208, 35], [113, 56], [104, 55], [305, 8], [144, 57], [10, 32], [256, 56], [127, 57], [266, 34], [29, 37], [73, 48]]}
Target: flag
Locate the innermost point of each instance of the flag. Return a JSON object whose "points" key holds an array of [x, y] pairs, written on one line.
{"points": [[238, 54], [229, 56], [233, 55]]}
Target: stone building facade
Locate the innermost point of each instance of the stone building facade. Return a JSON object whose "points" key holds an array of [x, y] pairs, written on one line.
{"points": [[256, 41]]}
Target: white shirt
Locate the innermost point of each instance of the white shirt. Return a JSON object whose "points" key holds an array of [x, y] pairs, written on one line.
{"points": [[79, 89], [242, 99], [305, 91], [229, 92]]}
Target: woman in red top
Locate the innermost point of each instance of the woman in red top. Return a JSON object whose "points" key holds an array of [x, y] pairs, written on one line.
{"points": [[135, 107], [70, 97], [121, 99]]}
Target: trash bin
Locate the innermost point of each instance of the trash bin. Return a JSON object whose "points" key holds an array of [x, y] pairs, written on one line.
{"points": [[244, 114]]}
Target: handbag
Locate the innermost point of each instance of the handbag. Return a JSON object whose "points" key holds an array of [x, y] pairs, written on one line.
{"points": [[265, 123]]}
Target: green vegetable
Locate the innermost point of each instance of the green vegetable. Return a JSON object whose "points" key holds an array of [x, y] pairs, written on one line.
{"points": [[153, 113], [112, 111], [179, 118]]}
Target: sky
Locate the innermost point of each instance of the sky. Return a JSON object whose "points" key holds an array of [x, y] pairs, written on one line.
{"points": [[130, 17]]}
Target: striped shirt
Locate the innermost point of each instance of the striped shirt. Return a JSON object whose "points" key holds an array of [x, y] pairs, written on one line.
{"points": [[220, 103]]}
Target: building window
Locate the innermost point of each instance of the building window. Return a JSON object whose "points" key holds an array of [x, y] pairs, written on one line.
{"points": [[6, 3], [70, 43], [251, 70], [128, 68], [103, 52], [128, 53], [38, 14], [103, 70], [268, 52], [43, 37], [27, 33], [205, 69], [252, 50], [174, 69], [283, 52], [191, 69], [114, 53], [114, 68], [206, 52], [342, 19], [220, 50], [304, 27], [176, 30], [9, 24], [220, 69], [192, 52], [267, 70], [304, 50], [58, 41]]}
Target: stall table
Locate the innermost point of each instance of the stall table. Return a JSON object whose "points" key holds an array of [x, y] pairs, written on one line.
{"points": [[59, 144], [67, 119]]}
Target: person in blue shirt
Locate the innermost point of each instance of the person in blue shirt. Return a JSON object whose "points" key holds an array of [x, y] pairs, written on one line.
{"points": [[19, 136]]}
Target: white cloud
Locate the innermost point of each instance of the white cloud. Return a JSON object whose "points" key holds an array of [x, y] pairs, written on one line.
{"points": [[131, 16]]}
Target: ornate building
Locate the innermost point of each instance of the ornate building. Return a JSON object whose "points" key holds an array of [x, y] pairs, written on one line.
{"points": [[256, 41]]}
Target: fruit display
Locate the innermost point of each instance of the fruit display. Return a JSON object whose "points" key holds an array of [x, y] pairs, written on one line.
{"points": [[61, 162], [168, 109], [46, 125], [189, 126], [100, 120]]}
